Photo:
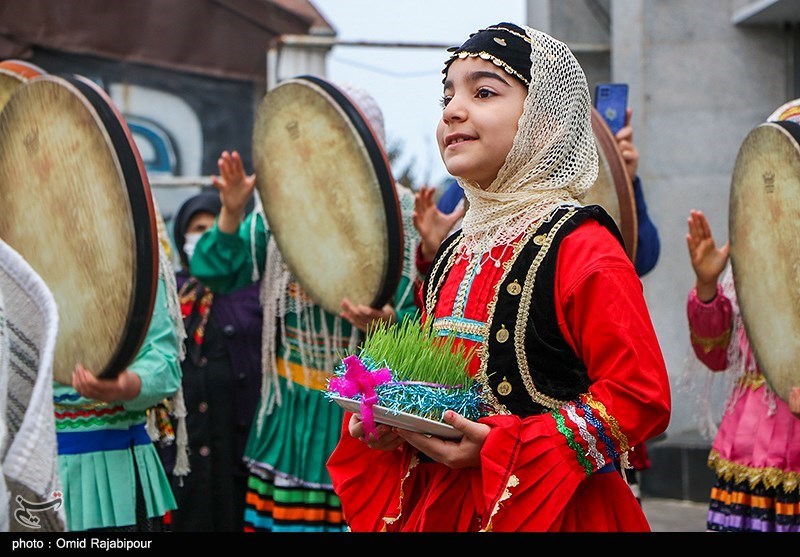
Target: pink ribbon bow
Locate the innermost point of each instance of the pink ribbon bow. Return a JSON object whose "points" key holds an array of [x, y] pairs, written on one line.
{"points": [[358, 380]]}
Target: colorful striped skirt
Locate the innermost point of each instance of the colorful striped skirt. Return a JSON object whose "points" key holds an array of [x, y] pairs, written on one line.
{"points": [[289, 488]]}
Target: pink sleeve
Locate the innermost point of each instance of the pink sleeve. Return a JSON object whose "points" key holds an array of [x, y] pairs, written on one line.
{"points": [[710, 325]]}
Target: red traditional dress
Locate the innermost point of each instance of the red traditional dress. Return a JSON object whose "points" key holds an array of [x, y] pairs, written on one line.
{"points": [[577, 378]]}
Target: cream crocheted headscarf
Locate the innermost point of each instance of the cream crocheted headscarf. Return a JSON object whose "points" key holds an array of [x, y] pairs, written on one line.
{"points": [[553, 160]]}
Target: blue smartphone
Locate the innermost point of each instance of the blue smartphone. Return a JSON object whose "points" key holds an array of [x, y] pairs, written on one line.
{"points": [[611, 101]]}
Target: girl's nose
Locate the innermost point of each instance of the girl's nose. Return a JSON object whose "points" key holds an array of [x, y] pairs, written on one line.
{"points": [[455, 110]]}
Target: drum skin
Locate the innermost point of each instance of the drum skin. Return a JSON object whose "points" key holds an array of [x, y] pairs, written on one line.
{"points": [[328, 194], [77, 206], [613, 189], [764, 234]]}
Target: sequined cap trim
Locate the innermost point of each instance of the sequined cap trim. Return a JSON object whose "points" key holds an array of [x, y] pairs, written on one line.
{"points": [[495, 60]]}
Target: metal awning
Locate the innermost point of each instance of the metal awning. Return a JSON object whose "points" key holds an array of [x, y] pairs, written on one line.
{"points": [[768, 12], [221, 38]]}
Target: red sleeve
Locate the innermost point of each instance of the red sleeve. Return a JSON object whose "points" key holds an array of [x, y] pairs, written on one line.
{"points": [[602, 312]]}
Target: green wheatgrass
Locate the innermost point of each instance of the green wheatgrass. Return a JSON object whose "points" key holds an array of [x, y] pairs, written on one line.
{"points": [[414, 353]]}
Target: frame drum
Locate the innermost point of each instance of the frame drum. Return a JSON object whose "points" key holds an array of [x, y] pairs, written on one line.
{"points": [[14, 73], [77, 206], [328, 194], [764, 234], [613, 190]]}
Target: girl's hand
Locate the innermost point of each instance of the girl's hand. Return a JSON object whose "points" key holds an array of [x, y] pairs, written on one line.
{"points": [[387, 440], [432, 224], [464, 453], [126, 386], [365, 317], [708, 262], [235, 189], [628, 150]]}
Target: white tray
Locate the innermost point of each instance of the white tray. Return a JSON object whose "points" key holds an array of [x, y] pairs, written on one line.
{"points": [[401, 420]]}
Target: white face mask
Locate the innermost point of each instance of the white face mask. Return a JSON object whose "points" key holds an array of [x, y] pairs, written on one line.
{"points": [[190, 242]]}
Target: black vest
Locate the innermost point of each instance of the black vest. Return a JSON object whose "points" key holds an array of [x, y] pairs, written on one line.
{"points": [[546, 372]]}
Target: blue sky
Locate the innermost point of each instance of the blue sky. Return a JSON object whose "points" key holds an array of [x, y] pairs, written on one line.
{"points": [[406, 82]]}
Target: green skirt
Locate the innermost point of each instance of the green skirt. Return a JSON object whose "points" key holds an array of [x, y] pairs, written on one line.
{"points": [[295, 440], [100, 487]]}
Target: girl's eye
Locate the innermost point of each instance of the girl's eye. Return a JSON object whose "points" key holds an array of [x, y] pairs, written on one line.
{"points": [[484, 93], [444, 100]]}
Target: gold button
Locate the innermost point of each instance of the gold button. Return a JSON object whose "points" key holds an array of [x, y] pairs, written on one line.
{"points": [[502, 335], [514, 288], [504, 388], [539, 240]]}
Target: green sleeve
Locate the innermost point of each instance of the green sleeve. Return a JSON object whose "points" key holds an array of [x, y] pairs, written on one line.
{"points": [[157, 362], [224, 262]]}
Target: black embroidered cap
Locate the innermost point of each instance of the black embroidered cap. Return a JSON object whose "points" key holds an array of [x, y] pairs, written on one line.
{"points": [[506, 45]]}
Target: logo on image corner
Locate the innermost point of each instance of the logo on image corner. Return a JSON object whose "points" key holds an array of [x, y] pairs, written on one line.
{"points": [[25, 514]]}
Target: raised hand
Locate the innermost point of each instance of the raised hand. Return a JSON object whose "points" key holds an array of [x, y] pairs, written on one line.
{"points": [[628, 150], [432, 224], [708, 261], [235, 189]]}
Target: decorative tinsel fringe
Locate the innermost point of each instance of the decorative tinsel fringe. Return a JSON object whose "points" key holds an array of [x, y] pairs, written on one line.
{"points": [[424, 400], [167, 272], [182, 467], [151, 426]]}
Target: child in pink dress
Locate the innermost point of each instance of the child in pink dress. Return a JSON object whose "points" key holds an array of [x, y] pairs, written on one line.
{"points": [[756, 451]]}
